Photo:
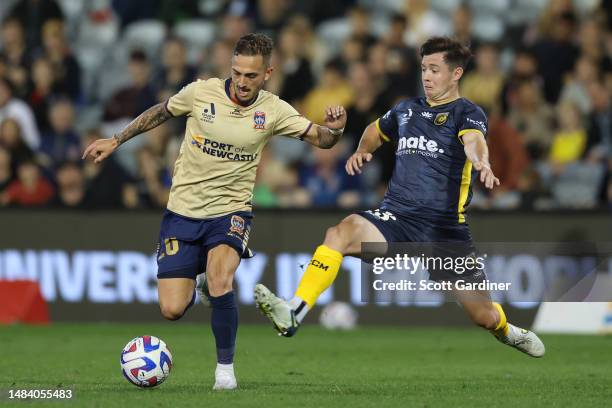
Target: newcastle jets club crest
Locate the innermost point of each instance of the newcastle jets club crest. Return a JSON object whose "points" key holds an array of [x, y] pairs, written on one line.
{"points": [[260, 120]]}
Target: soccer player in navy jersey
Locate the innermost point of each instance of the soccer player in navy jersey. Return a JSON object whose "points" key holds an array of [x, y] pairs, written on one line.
{"points": [[440, 150]]}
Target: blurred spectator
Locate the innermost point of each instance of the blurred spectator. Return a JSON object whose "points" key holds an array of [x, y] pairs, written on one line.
{"points": [[294, 67], [353, 50], [61, 142], [17, 109], [33, 14], [234, 26], [14, 58], [134, 10], [576, 86], [592, 43], [174, 72], [359, 19], [155, 163], [327, 182], [395, 33], [423, 22], [65, 66], [366, 107], [138, 96], [277, 184], [556, 54], [30, 188], [11, 140], [173, 11], [107, 184], [219, 63], [533, 118], [5, 170], [484, 84], [599, 126], [43, 89], [569, 141], [318, 11], [509, 160], [462, 26], [332, 89], [524, 68], [271, 16], [70, 186]]}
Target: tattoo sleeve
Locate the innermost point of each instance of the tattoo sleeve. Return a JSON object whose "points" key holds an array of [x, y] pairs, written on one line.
{"points": [[326, 139], [152, 117]]}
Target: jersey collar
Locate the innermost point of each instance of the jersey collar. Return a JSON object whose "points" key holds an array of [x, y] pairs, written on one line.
{"points": [[443, 102], [228, 83]]}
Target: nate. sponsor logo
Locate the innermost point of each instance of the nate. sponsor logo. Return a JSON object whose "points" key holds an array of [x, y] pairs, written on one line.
{"points": [[418, 145]]}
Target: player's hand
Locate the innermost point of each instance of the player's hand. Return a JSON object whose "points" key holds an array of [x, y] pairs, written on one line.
{"points": [[335, 117], [356, 161], [486, 175], [100, 149]]}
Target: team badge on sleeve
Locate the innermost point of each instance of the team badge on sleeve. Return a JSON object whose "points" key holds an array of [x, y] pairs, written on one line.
{"points": [[441, 118], [260, 120]]}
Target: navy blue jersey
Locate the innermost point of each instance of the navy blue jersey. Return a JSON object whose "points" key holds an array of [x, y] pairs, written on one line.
{"points": [[432, 175]]}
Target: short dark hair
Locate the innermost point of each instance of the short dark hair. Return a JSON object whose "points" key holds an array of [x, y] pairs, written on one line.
{"points": [[456, 54], [255, 44]]}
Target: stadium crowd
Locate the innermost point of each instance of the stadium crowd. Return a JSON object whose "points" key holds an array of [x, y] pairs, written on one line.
{"points": [[72, 72]]}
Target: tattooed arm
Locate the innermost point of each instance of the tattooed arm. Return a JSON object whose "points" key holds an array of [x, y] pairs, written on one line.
{"points": [[152, 117], [327, 136]]}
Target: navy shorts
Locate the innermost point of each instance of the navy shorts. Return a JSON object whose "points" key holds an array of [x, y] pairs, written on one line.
{"points": [[184, 242], [442, 238]]}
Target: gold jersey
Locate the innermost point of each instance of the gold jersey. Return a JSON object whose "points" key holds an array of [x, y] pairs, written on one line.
{"points": [[215, 171]]}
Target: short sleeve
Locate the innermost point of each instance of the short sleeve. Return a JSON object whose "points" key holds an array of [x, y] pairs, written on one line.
{"points": [[289, 122], [473, 119], [182, 102], [387, 126]]}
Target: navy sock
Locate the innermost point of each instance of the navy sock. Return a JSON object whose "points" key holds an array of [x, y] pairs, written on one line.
{"points": [[224, 323]]}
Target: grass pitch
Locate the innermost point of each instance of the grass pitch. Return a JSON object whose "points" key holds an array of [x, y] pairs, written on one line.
{"points": [[371, 366]]}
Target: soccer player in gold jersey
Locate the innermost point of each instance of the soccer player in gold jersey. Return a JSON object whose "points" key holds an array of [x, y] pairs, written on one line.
{"points": [[206, 225]]}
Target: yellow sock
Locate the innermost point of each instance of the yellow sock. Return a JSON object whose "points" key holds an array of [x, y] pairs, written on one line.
{"points": [[320, 274], [502, 325]]}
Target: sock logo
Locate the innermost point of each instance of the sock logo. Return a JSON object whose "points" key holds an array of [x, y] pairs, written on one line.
{"points": [[319, 265]]}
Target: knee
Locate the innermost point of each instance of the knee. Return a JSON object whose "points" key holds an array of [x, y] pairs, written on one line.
{"points": [[171, 312], [339, 236], [219, 284]]}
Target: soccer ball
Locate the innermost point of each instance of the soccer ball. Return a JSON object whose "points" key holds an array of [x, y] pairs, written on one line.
{"points": [[338, 315], [146, 361]]}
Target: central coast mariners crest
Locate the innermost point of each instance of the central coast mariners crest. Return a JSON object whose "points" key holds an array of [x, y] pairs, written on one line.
{"points": [[441, 118], [260, 120]]}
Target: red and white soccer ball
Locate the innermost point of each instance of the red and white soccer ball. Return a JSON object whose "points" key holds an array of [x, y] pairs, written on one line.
{"points": [[338, 316], [146, 361]]}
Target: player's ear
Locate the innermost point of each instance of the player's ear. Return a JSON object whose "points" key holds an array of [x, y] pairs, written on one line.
{"points": [[457, 73], [268, 73]]}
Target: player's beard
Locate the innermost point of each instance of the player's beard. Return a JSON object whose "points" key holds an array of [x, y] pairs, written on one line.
{"points": [[250, 94]]}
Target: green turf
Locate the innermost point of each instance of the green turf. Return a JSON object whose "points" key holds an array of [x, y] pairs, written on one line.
{"points": [[383, 367]]}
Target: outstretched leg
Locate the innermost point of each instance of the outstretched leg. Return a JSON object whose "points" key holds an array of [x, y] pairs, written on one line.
{"points": [[490, 315], [340, 240]]}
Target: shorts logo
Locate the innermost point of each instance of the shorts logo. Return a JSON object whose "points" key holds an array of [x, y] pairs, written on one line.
{"points": [[237, 225], [208, 113], [441, 118], [170, 247], [260, 120], [384, 216]]}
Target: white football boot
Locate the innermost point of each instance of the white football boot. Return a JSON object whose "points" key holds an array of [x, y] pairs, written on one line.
{"points": [[225, 378], [277, 310], [524, 340], [202, 289]]}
